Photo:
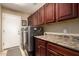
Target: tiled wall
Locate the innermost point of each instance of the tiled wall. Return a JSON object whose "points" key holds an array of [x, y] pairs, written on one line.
{"points": [[69, 26]]}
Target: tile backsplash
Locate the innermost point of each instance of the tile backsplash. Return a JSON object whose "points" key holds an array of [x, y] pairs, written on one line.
{"points": [[69, 26]]}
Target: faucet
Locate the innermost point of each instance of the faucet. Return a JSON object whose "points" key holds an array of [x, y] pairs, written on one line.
{"points": [[45, 33]]}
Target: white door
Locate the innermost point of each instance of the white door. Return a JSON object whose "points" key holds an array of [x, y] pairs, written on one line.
{"points": [[11, 28]]}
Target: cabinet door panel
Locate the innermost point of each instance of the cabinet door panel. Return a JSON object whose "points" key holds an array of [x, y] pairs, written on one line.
{"points": [[30, 21], [50, 12], [78, 9], [42, 50], [41, 42], [62, 50], [32, 18], [66, 11], [37, 51], [41, 16], [40, 47], [52, 53], [35, 19]]}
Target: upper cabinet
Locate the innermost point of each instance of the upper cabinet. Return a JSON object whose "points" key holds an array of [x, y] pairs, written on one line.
{"points": [[41, 16], [65, 11], [30, 21], [35, 19], [53, 12], [49, 12]]}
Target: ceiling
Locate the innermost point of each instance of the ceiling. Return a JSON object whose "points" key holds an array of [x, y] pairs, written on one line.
{"points": [[28, 8]]}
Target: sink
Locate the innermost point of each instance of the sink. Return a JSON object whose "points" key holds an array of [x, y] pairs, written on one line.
{"points": [[75, 38]]}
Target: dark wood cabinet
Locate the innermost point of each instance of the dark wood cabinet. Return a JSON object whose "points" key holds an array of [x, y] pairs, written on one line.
{"points": [[35, 19], [54, 12], [40, 47], [41, 16], [78, 9], [30, 21], [37, 50], [45, 48], [42, 50], [49, 12], [60, 50], [52, 53], [66, 11]]}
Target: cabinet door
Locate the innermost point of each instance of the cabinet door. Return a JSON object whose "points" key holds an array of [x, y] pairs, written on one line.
{"points": [[41, 16], [49, 12], [78, 9], [66, 11], [37, 48], [52, 53], [37, 51], [35, 19], [42, 50], [30, 21], [62, 51]]}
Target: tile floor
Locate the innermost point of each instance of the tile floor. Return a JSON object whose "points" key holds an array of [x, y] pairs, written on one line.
{"points": [[4, 53]]}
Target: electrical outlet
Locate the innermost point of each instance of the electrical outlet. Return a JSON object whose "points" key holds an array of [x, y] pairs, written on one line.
{"points": [[65, 31]]}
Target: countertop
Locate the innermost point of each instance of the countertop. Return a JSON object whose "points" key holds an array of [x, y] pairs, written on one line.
{"points": [[66, 41]]}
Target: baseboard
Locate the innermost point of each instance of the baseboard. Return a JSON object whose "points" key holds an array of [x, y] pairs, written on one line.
{"points": [[23, 52]]}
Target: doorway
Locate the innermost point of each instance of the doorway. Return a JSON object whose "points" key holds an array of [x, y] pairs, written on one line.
{"points": [[11, 30]]}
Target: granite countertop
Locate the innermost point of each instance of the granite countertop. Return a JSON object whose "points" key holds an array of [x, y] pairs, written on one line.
{"points": [[66, 41]]}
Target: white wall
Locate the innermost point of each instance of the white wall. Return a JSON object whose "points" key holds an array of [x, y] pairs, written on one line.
{"points": [[23, 15], [0, 30], [72, 26], [5, 10]]}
